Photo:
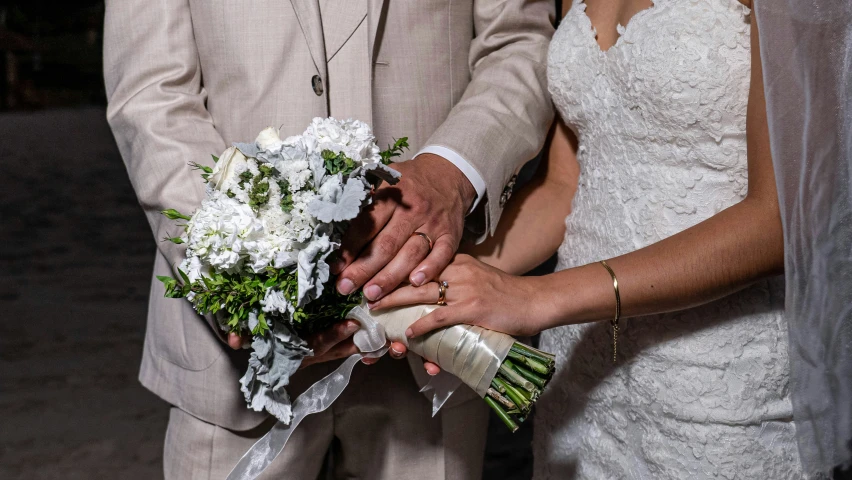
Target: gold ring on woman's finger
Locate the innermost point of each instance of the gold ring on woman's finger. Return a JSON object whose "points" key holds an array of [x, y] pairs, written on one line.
{"points": [[425, 237], [442, 293]]}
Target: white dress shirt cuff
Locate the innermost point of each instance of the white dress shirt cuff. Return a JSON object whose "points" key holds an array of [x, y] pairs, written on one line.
{"points": [[466, 168]]}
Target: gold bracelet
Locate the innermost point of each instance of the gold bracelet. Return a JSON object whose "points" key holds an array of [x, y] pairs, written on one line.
{"points": [[614, 321]]}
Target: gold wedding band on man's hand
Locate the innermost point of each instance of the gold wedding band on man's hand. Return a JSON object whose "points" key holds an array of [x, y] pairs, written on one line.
{"points": [[425, 237], [442, 293]]}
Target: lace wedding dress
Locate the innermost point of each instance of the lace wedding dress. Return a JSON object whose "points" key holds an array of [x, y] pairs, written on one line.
{"points": [[697, 394]]}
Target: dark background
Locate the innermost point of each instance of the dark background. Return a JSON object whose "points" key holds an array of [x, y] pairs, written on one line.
{"points": [[75, 266]]}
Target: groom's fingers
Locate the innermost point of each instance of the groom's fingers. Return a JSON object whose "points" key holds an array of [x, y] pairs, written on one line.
{"points": [[343, 349], [431, 368], [236, 341], [397, 350], [441, 256], [361, 232], [323, 342], [413, 251], [375, 256]]}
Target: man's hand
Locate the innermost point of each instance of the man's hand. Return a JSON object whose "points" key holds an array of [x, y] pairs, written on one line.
{"points": [[379, 251], [397, 350], [332, 343], [336, 343]]}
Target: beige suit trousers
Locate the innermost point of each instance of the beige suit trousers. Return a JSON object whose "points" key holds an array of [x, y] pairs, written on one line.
{"points": [[411, 444]]}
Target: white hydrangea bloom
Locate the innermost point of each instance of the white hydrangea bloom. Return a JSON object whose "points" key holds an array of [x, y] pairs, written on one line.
{"points": [[352, 137], [220, 230]]}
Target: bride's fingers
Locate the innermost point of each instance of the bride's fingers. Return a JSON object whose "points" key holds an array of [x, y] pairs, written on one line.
{"points": [[408, 295], [440, 318], [431, 368]]}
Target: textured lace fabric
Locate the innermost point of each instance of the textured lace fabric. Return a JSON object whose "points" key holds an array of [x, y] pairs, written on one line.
{"points": [[697, 394]]}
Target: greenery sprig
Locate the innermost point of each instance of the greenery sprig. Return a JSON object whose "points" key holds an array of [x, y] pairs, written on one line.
{"points": [[399, 146], [236, 295]]}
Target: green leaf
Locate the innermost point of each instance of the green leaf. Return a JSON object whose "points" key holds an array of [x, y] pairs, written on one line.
{"points": [[203, 168], [173, 214], [175, 240], [184, 276], [166, 280], [215, 158]]}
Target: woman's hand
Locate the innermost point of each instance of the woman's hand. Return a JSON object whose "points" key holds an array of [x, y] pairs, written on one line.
{"points": [[477, 295]]}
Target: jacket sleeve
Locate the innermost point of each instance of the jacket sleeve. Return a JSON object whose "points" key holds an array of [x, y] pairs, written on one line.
{"points": [[157, 109], [502, 119]]}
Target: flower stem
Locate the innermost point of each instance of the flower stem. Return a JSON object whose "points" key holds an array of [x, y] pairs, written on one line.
{"points": [[516, 396], [528, 351], [502, 414], [501, 399], [507, 369], [538, 381], [530, 362], [521, 378], [497, 386]]}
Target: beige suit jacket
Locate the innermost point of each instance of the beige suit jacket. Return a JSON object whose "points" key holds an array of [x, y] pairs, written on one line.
{"points": [[186, 78]]}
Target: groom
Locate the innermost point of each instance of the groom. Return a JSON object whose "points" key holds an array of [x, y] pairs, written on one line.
{"points": [[464, 81]]}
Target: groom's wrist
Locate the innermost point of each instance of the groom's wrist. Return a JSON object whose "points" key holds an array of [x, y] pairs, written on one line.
{"points": [[450, 174], [464, 168]]}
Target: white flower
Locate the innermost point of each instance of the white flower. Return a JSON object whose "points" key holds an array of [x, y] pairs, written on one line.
{"points": [[221, 231], [352, 137], [269, 140], [193, 268], [230, 165]]}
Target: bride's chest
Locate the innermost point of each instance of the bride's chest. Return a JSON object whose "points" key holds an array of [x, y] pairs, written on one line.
{"points": [[681, 65]]}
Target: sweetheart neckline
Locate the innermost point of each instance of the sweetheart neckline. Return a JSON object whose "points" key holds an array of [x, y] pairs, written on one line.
{"points": [[623, 31]]}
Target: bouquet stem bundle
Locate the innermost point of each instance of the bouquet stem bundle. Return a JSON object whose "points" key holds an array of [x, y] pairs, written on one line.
{"points": [[519, 382]]}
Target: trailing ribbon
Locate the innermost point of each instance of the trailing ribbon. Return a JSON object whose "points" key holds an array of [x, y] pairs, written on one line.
{"points": [[466, 354]]}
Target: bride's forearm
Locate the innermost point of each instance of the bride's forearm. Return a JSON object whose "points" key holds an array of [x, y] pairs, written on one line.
{"points": [[708, 261], [533, 225]]}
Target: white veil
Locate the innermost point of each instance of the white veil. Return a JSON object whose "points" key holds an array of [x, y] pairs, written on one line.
{"points": [[806, 52]]}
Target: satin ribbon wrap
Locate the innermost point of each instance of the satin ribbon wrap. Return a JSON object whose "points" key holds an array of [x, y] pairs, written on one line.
{"points": [[466, 354], [470, 353]]}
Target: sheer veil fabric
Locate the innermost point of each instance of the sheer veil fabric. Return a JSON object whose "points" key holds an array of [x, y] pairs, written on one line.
{"points": [[806, 50]]}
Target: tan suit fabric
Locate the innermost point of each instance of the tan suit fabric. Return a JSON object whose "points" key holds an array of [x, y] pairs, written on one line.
{"points": [[375, 433]]}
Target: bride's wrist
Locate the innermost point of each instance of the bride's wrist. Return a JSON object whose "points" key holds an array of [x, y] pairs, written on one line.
{"points": [[582, 294], [547, 305]]}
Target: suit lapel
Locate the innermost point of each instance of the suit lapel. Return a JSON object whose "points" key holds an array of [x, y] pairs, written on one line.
{"points": [[308, 12], [339, 19]]}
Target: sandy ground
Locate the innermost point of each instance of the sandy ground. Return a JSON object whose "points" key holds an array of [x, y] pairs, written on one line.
{"points": [[75, 262]]}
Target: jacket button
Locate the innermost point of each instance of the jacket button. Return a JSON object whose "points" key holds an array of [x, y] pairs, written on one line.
{"points": [[316, 83]]}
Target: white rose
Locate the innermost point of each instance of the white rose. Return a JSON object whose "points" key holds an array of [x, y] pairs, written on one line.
{"points": [[269, 139], [231, 163]]}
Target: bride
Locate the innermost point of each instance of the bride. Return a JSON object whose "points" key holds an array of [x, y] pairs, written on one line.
{"points": [[664, 311]]}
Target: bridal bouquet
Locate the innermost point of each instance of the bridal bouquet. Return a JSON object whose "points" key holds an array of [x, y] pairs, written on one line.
{"points": [[256, 259]]}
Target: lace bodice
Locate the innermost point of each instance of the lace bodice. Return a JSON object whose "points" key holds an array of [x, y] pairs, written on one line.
{"points": [[660, 119]]}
